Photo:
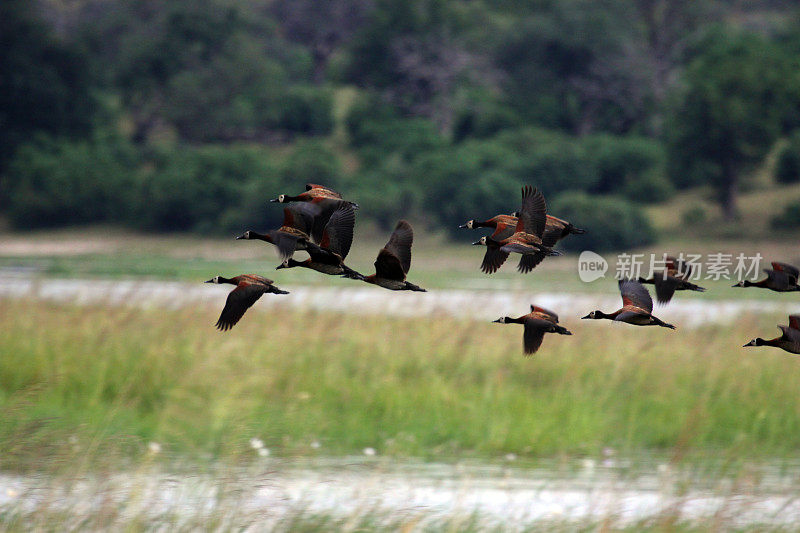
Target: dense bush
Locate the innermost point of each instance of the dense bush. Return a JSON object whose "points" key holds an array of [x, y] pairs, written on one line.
{"points": [[789, 218], [550, 160], [788, 168], [463, 182], [306, 111], [59, 182], [633, 166], [206, 189], [611, 223]]}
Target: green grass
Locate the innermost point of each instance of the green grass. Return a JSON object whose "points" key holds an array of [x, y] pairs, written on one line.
{"points": [[108, 381]]}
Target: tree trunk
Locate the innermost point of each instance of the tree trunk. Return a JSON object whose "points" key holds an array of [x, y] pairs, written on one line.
{"points": [[729, 192]]}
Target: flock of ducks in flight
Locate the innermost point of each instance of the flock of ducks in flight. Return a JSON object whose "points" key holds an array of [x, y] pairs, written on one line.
{"points": [[320, 222]]}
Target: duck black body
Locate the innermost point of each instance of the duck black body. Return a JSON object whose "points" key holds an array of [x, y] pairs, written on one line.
{"points": [[249, 288], [394, 261], [328, 256], [538, 322], [780, 278], [637, 307]]}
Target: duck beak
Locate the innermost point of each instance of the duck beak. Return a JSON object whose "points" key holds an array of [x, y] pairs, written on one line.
{"points": [[282, 265], [463, 226], [240, 237], [478, 243], [587, 316], [209, 281], [499, 320]]}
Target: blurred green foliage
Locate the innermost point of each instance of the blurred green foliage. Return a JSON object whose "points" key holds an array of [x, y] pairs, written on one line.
{"points": [[611, 223], [190, 116], [788, 167], [789, 218]]}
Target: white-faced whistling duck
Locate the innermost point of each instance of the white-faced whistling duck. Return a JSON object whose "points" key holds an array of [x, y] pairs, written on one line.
{"points": [[327, 200], [781, 278], [674, 277], [293, 235], [637, 307], [329, 256], [789, 339], [394, 261], [538, 322], [249, 289], [526, 239]]}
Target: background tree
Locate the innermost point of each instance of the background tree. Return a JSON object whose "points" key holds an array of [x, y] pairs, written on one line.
{"points": [[323, 26], [739, 87], [45, 84]]}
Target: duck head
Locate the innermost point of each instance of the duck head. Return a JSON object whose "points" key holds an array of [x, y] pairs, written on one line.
{"points": [[280, 199], [758, 341], [469, 225], [745, 283], [481, 242]]}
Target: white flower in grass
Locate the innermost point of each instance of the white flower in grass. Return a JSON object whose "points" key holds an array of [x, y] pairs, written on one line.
{"points": [[370, 452], [256, 443], [588, 464], [263, 452], [511, 457], [316, 445], [154, 448]]}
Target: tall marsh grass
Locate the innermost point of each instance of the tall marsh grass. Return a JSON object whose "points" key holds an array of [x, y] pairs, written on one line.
{"points": [[109, 381]]}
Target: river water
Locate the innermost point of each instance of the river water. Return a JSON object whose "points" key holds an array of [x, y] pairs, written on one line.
{"points": [[492, 495], [473, 304]]}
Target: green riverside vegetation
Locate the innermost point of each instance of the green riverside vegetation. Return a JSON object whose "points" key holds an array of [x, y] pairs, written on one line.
{"points": [[116, 379]]}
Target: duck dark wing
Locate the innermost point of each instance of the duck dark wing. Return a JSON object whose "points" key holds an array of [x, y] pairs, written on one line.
{"points": [[285, 242], [788, 269], [533, 214], [534, 334], [493, 259], [781, 278], [682, 268], [794, 322], [388, 266], [327, 207], [239, 300], [400, 243], [300, 216], [665, 287], [530, 261], [635, 294], [338, 234]]}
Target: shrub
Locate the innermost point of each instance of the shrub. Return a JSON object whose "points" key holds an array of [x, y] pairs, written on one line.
{"points": [[789, 218], [55, 182], [550, 160], [208, 189], [306, 111], [634, 166], [611, 223], [788, 167]]}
